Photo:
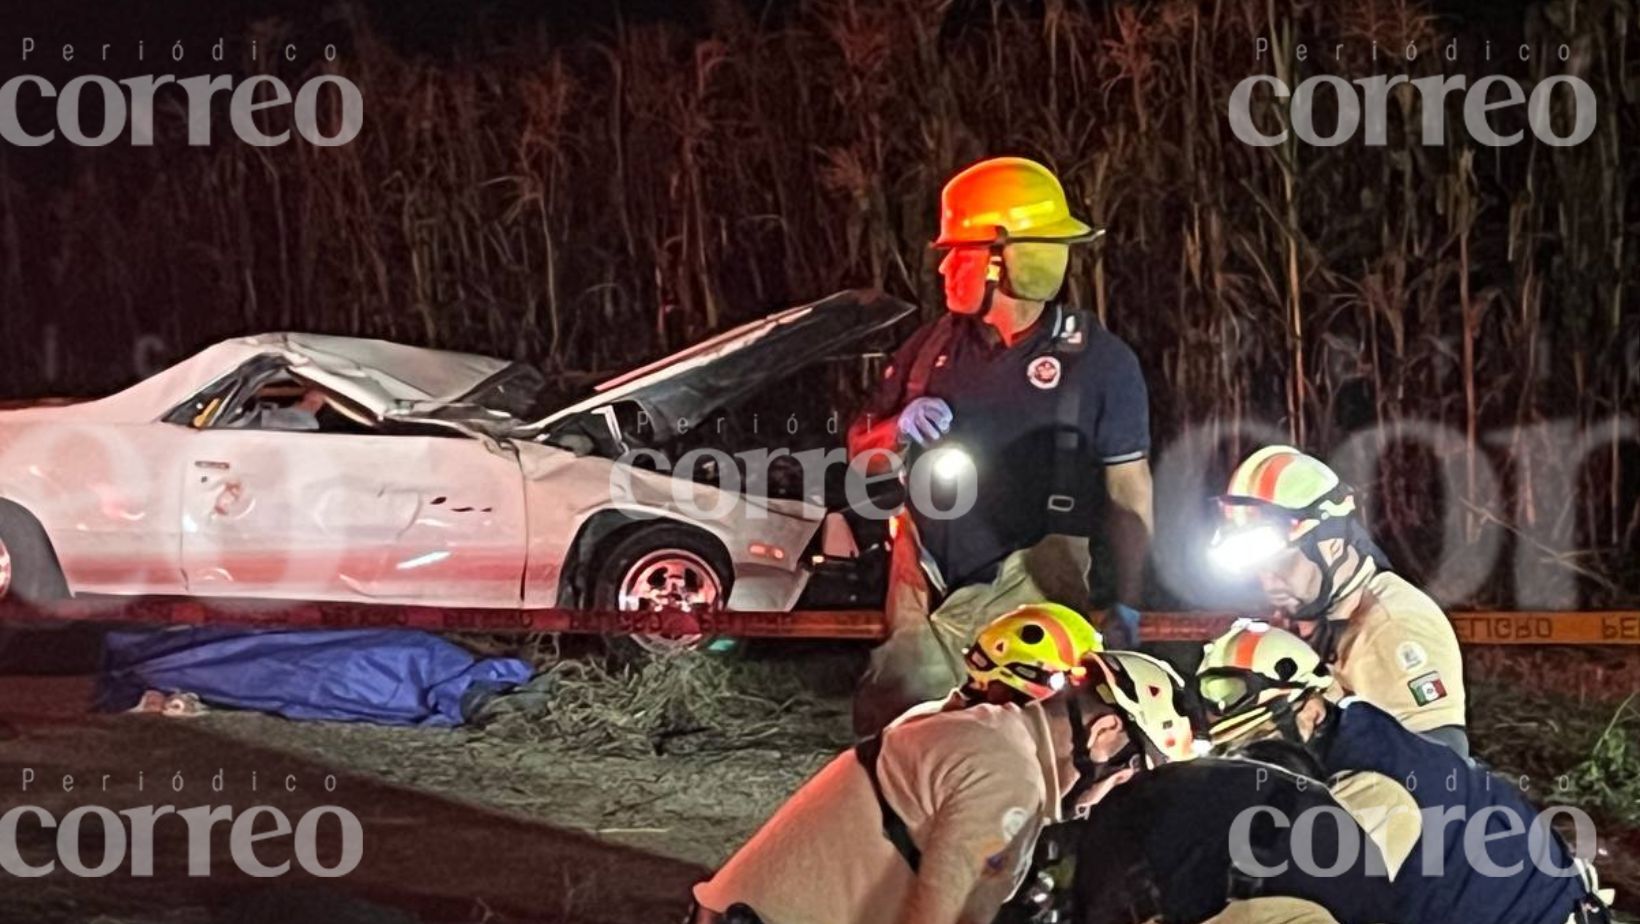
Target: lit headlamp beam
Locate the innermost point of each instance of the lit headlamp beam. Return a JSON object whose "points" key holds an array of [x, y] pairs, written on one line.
{"points": [[1244, 549]]}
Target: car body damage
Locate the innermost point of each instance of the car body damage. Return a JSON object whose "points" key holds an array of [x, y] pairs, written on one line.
{"points": [[306, 467], [379, 377], [566, 493], [681, 390]]}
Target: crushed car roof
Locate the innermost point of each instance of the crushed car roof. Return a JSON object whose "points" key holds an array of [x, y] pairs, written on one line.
{"points": [[393, 372], [468, 391]]}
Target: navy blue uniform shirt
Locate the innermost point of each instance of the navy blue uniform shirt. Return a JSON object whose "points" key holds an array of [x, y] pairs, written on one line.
{"points": [[1162, 844], [1368, 738], [1005, 409]]}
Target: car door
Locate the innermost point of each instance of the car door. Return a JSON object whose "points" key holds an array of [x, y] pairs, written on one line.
{"points": [[104, 495], [344, 516]]}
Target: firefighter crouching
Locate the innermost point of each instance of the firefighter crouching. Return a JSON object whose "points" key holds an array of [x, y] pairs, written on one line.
{"points": [[934, 821], [1263, 684], [1289, 520]]}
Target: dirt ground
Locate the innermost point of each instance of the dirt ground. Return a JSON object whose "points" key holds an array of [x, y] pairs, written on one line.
{"points": [[528, 818], [591, 797]]}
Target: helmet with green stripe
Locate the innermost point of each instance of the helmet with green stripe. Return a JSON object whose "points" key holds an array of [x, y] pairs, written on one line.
{"points": [[1278, 499], [1254, 677]]}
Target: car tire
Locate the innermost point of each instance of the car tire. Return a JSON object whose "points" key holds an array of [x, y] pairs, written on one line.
{"points": [[28, 567], [651, 565]]}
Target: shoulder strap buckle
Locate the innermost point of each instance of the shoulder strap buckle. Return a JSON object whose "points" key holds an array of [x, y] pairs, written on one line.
{"points": [[1071, 330]]}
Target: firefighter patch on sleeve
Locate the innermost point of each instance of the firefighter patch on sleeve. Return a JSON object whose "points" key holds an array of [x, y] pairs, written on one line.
{"points": [[1044, 371], [1014, 821], [1411, 656], [1428, 688]]}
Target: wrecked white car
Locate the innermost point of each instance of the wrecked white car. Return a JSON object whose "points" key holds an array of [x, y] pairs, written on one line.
{"points": [[306, 467]]}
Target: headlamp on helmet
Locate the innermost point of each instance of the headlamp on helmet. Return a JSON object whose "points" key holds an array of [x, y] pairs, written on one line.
{"points": [[1280, 498], [1030, 653], [1243, 550]]}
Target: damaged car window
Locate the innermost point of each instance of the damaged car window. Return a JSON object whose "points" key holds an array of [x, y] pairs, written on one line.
{"points": [[285, 402], [225, 395], [262, 394], [281, 404], [518, 391]]}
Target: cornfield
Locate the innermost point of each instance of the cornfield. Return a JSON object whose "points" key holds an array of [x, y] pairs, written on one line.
{"points": [[588, 203]]}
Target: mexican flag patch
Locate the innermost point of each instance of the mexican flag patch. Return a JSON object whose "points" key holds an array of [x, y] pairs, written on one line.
{"points": [[1427, 689]]}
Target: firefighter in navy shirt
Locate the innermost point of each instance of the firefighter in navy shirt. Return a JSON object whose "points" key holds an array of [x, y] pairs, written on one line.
{"points": [[1170, 843], [1017, 403], [1263, 683]]}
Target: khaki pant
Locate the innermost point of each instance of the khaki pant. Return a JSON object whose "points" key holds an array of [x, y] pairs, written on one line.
{"points": [[923, 656], [1272, 910]]}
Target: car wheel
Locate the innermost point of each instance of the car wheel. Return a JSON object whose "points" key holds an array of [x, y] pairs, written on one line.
{"points": [[28, 567], [663, 567], [5, 569]]}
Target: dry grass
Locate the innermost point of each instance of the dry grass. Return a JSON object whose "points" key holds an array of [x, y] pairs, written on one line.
{"points": [[687, 704], [1568, 719], [1574, 744]]}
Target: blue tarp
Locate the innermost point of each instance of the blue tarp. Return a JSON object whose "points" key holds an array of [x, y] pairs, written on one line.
{"points": [[385, 676]]}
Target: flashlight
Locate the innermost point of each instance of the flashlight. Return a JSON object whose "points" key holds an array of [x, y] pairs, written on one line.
{"points": [[952, 463]]}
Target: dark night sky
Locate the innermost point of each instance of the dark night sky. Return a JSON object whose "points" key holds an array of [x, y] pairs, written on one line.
{"points": [[430, 26], [434, 28]]}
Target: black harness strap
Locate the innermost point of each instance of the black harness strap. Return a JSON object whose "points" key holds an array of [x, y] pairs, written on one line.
{"points": [[894, 828], [922, 365], [1070, 337], [916, 385], [1067, 452]]}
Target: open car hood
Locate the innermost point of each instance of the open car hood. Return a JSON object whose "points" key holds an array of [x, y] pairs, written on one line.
{"points": [[687, 387]]}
